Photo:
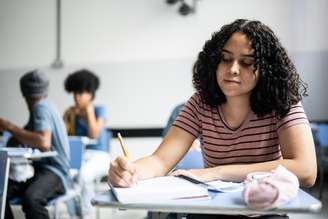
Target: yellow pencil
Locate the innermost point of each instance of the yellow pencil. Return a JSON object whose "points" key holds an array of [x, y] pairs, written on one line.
{"points": [[124, 149]]}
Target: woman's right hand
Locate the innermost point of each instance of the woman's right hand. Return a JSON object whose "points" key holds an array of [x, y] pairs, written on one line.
{"points": [[122, 172]]}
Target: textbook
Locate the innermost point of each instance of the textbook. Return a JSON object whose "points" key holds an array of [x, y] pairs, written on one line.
{"points": [[159, 189]]}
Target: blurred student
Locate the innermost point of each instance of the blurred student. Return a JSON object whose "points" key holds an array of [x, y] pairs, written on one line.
{"points": [[86, 119], [246, 112], [45, 131]]}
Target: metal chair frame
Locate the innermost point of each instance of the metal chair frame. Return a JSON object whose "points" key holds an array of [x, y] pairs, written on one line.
{"points": [[76, 154]]}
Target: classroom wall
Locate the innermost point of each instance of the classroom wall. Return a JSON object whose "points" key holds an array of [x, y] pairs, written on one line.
{"points": [[143, 50]]}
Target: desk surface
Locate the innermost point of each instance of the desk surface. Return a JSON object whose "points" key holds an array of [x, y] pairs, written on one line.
{"points": [[220, 203], [85, 140], [27, 153]]}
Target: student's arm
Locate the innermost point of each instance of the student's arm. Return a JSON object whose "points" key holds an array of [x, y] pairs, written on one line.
{"points": [[40, 140], [95, 125], [67, 117], [298, 154], [176, 143]]}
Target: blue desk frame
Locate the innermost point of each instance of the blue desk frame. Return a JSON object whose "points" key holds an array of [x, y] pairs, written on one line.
{"points": [[220, 203]]}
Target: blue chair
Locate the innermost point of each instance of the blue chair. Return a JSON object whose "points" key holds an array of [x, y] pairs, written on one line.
{"points": [[193, 159], [76, 145], [109, 139], [76, 152], [321, 136], [4, 138], [4, 174], [71, 194]]}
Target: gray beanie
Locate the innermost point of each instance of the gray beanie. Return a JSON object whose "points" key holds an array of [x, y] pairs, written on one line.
{"points": [[34, 84]]}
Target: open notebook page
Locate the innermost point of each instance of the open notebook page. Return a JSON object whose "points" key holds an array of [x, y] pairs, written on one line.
{"points": [[160, 189]]}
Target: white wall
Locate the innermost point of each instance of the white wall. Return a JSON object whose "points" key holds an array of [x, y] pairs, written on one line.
{"points": [[143, 50]]}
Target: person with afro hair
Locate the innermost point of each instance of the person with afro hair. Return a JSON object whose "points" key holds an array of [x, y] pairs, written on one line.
{"points": [[246, 111], [86, 119]]}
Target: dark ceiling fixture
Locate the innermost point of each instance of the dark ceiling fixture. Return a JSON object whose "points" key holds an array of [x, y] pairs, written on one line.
{"points": [[186, 6]]}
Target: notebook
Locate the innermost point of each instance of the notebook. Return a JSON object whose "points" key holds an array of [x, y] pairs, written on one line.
{"points": [[160, 189]]}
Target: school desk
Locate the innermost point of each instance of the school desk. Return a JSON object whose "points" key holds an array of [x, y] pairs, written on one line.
{"points": [[219, 203]]}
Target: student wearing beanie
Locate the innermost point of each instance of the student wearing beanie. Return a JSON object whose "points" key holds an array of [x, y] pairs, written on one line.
{"points": [[45, 131]]}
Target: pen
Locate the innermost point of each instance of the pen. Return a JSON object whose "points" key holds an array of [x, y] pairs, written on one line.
{"points": [[124, 149], [203, 184], [227, 188]]}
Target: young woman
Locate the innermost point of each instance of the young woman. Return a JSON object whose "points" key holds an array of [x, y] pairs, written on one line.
{"points": [[246, 112], [86, 119]]}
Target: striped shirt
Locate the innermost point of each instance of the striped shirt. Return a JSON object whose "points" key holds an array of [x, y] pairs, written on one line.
{"points": [[256, 140]]}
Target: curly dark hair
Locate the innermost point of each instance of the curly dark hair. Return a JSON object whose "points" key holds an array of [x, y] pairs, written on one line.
{"points": [[279, 86], [82, 81]]}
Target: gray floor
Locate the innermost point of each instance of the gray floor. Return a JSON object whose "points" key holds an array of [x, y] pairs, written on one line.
{"points": [[139, 147]]}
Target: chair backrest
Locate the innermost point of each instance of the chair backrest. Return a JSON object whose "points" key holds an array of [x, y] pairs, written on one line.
{"points": [[4, 173], [322, 135], [4, 138], [109, 139], [76, 145], [193, 159]]}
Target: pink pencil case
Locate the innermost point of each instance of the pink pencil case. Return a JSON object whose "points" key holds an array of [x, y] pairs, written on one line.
{"points": [[268, 190]]}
